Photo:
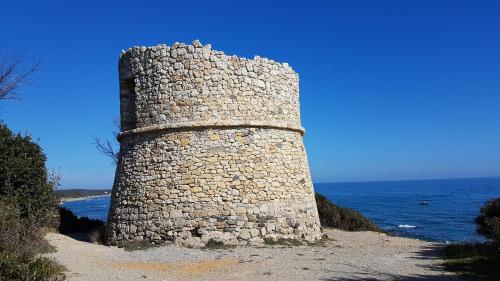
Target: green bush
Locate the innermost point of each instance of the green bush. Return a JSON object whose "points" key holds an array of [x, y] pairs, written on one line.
{"points": [[20, 243], [13, 268], [334, 216], [24, 179], [488, 221], [473, 261], [70, 223], [27, 205], [479, 261], [19, 237]]}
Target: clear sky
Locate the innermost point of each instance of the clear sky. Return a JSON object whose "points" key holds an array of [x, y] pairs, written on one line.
{"points": [[389, 89]]}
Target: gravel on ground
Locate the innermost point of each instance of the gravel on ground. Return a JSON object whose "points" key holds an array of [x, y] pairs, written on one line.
{"points": [[344, 256]]}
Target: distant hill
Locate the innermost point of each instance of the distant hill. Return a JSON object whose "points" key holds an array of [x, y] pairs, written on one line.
{"points": [[81, 193]]}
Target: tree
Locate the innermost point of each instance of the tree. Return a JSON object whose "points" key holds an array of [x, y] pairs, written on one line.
{"points": [[14, 74], [24, 179]]}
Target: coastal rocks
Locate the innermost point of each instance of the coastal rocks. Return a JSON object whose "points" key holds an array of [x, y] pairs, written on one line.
{"points": [[211, 149]]}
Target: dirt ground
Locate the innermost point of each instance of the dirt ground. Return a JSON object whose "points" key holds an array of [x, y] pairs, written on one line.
{"points": [[344, 256]]}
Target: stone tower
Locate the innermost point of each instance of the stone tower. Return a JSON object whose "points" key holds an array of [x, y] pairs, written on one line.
{"points": [[211, 148]]}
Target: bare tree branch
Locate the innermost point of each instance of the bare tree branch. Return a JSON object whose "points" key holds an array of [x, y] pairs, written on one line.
{"points": [[13, 75], [106, 148]]}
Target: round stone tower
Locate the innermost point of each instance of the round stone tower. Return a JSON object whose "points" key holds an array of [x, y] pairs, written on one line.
{"points": [[211, 148]]}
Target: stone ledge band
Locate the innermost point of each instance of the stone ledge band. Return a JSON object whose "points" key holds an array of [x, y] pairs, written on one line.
{"points": [[191, 126]]}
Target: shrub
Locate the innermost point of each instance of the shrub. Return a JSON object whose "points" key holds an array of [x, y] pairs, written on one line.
{"points": [[24, 179], [479, 261], [488, 221], [473, 261], [334, 216], [27, 203], [19, 237], [13, 268], [70, 223], [98, 235], [20, 243]]}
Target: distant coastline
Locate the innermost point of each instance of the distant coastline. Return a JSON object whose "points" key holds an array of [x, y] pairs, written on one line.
{"points": [[68, 199], [66, 195]]}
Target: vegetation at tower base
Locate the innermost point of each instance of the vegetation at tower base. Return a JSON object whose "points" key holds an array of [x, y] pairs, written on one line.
{"points": [[331, 215], [479, 261], [70, 223], [27, 206]]}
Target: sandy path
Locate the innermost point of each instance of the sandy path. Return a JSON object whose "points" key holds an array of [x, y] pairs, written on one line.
{"points": [[348, 256]]}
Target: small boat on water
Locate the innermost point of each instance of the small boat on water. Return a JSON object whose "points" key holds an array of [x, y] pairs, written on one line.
{"points": [[423, 203]]}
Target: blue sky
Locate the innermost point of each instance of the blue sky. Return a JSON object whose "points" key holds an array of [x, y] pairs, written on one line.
{"points": [[389, 89]]}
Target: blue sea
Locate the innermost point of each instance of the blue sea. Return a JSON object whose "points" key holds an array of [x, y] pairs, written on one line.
{"points": [[94, 208], [434, 210]]}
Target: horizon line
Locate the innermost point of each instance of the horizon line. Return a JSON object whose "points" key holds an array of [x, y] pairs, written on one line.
{"points": [[348, 181], [400, 180]]}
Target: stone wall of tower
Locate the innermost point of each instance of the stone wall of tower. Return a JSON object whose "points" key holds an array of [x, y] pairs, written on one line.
{"points": [[211, 148]]}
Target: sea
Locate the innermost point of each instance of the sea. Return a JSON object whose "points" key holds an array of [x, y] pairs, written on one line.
{"points": [[434, 210]]}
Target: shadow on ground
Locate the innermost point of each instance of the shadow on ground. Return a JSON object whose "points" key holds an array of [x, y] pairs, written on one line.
{"points": [[399, 278], [80, 236], [437, 272]]}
